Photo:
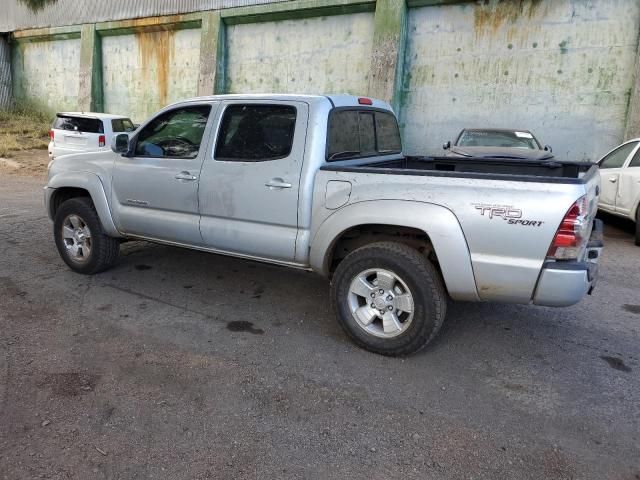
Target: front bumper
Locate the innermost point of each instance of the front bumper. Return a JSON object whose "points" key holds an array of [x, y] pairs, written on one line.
{"points": [[565, 283]]}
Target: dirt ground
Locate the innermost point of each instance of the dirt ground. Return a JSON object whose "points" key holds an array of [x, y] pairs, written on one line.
{"points": [[178, 364], [31, 163]]}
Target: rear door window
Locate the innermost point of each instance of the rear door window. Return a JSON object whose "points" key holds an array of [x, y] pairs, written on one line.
{"points": [[256, 133], [357, 133], [617, 158], [122, 125], [79, 124]]}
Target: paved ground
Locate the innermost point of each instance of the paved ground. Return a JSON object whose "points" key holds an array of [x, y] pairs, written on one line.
{"points": [[141, 373]]}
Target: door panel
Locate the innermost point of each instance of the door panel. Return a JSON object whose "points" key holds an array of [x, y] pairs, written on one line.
{"points": [[628, 190], [610, 169], [249, 205], [155, 191], [629, 187]]}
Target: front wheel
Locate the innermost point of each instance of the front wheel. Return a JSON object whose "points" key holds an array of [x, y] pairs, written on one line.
{"points": [[389, 298], [81, 242]]}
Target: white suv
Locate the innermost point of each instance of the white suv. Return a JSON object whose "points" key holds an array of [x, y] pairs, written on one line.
{"points": [[74, 132], [620, 173]]}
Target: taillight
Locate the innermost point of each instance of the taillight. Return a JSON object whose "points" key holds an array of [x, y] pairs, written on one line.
{"points": [[573, 232], [101, 141], [51, 134]]}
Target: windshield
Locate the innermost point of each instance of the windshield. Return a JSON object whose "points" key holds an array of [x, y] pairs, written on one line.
{"points": [[497, 138]]}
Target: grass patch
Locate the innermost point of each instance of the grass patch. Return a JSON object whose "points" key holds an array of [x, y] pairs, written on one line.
{"points": [[23, 128]]}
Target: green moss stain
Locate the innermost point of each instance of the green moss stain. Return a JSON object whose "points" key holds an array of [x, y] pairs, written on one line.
{"points": [[564, 47]]}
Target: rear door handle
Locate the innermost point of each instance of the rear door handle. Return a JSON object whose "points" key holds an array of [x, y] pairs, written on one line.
{"points": [[186, 176], [613, 179], [277, 183]]}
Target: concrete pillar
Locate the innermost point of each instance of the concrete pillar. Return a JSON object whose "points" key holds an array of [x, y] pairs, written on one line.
{"points": [[387, 60], [212, 55], [6, 96], [632, 129], [90, 91]]}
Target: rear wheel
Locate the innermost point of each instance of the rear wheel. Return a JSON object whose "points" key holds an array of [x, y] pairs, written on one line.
{"points": [[81, 242], [389, 298]]}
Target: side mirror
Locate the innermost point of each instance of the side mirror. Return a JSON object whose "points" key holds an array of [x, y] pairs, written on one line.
{"points": [[120, 143], [447, 145], [547, 148]]}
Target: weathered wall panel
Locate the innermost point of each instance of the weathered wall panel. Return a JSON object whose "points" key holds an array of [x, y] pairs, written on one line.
{"points": [[562, 68], [143, 72], [314, 55], [46, 74]]}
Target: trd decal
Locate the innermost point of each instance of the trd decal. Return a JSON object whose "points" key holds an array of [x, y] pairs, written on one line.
{"points": [[508, 213]]}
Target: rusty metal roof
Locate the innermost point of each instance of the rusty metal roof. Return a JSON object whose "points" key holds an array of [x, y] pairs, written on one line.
{"points": [[16, 16]]}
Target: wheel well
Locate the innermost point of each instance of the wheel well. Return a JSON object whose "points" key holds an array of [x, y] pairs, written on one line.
{"points": [[61, 195], [362, 235]]}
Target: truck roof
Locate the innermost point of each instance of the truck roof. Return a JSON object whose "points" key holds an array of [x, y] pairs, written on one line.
{"points": [[337, 100]]}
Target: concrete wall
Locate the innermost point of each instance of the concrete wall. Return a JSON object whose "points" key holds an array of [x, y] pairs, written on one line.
{"points": [[324, 54], [563, 69], [567, 69], [142, 72], [46, 73]]}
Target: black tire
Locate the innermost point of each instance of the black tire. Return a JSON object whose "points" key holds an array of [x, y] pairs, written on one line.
{"points": [[638, 226], [421, 278], [104, 249]]}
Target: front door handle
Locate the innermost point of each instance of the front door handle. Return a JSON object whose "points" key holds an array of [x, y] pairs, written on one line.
{"points": [[186, 176], [277, 183], [613, 179]]}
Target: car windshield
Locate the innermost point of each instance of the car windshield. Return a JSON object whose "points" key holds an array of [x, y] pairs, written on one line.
{"points": [[498, 138]]}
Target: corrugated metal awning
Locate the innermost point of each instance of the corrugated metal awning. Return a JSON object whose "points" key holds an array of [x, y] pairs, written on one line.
{"points": [[16, 16]]}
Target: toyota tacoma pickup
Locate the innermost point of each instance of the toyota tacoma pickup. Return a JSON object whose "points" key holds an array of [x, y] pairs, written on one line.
{"points": [[320, 183]]}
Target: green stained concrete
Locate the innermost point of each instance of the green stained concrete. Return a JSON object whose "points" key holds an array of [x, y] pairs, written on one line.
{"points": [[387, 54], [632, 126], [322, 54], [45, 74], [571, 89], [90, 70], [295, 10], [144, 72], [567, 69], [212, 55]]}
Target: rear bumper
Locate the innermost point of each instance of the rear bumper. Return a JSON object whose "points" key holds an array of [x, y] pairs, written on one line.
{"points": [[565, 283]]}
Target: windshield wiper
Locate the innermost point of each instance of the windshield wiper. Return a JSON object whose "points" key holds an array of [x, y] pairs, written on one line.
{"points": [[346, 152]]}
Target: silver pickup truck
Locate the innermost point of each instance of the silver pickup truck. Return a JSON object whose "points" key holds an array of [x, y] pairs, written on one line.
{"points": [[320, 183]]}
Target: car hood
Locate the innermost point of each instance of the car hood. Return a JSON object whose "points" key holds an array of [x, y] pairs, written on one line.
{"points": [[500, 152]]}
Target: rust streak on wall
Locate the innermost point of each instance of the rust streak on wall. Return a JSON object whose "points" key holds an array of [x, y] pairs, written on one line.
{"points": [[489, 17], [157, 49]]}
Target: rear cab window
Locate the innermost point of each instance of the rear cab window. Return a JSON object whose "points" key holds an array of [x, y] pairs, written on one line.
{"points": [[79, 124], [359, 133]]}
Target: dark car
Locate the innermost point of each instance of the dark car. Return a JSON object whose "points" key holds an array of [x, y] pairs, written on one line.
{"points": [[498, 143]]}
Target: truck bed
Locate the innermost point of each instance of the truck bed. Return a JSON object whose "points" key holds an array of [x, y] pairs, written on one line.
{"points": [[486, 168]]}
